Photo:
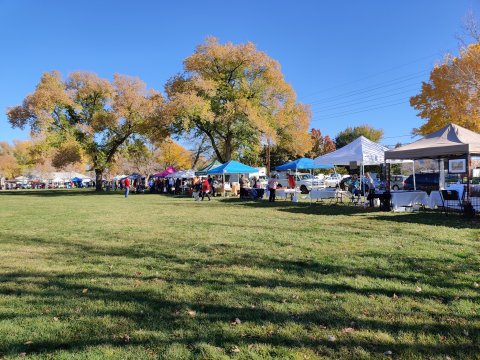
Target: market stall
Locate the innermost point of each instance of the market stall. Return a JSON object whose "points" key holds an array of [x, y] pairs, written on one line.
{"points": [[454, 144], [231, 167]]}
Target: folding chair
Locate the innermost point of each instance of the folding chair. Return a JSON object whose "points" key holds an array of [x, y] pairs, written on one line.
{"points": [[451, 200]]}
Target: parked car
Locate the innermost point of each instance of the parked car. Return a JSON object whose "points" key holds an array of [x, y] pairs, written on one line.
{"points": [[397, 181], [346, 184], [333, 180], [426, 182], [304, 181]]}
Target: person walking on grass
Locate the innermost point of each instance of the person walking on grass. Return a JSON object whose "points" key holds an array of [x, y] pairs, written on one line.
{"points": [[272, 188], [205, 189], [127, 187]]}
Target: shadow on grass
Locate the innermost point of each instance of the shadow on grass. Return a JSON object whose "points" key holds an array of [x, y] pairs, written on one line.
{"points": [[441, 274], [153, 311], [435, 218], [299, 208]]}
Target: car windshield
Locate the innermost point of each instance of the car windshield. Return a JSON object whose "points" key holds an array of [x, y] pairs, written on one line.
{"points": [[302, 177]]}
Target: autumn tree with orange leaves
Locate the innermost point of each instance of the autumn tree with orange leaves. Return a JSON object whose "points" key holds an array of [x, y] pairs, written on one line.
{"points": [[320, 144], [237, 96], [100, 115], [452, 94]]}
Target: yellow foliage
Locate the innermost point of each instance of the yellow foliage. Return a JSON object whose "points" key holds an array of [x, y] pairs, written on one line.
{"points": [[237, 96], [452, 94], [170, 153]]}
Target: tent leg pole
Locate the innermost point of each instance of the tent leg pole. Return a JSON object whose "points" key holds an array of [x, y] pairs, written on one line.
{"points": [[311, 174], [414, 181], [362, 181]]}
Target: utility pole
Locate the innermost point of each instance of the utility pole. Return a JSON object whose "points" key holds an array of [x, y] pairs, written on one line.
{"points": [[268, 158]]}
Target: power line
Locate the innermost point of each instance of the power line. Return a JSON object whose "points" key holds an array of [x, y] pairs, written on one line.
{"points": [[347, 104], [355, 98], [377, 86], [378, 73], [332, 116]]}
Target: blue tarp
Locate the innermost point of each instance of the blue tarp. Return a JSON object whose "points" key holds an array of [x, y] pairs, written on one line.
{"points": [[232, 167], [302, 164], [77, 179]]}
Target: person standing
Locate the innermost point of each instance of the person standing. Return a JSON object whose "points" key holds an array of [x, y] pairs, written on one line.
{"points": [[272, 188], [371, 188], [127, 186], [211, 182], [205, 189], [291, 181], [196, 188]]}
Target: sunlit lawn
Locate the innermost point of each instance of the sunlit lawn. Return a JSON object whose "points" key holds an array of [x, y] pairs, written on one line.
{"points": [[100, 276]]}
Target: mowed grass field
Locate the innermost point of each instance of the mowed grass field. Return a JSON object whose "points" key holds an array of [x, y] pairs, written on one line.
{"points": [[93, 276]]}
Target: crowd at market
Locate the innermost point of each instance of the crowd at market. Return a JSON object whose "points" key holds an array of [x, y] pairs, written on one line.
{"points": [[296, 179]]}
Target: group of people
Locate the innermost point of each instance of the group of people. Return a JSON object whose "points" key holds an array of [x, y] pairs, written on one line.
{"points": [[355, 187], [204, 187], [166, 185], [251, 189]]}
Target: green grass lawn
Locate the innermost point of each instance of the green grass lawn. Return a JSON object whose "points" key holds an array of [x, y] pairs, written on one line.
{"points": [[87, 276]]}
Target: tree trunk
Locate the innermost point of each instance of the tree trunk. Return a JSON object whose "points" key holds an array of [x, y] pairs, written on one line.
{"points": [[228, 149], [98, 180]]}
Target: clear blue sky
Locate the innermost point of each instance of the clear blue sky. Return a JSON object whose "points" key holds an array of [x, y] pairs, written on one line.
{"points": [[355, 61]]}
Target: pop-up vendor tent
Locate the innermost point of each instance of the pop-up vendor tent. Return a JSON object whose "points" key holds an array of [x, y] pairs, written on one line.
{"points": [[302, 164], [164, 173], [182, 174], [362, 151], [231, 167], [212, 165], [450, 142], [359, 152]]}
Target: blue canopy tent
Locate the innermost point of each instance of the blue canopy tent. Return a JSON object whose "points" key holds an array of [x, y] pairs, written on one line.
{"points": [[77, 181], [302, 164], [231, 167]]}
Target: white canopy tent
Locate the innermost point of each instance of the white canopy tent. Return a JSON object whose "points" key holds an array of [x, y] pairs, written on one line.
{"points": [[360, 152], [119, 177], [182, 174]]}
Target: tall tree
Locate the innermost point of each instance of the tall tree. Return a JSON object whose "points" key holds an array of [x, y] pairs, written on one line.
{"points": [[9, 166], [237, 97], [351, 133], [173, 154], [452, 94], [320, 144], [101, 116]]}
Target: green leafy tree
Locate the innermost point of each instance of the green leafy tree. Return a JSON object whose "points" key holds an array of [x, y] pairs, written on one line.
{"points": [[351, 133]]}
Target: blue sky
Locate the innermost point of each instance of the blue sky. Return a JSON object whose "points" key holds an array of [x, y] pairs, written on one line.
{"points": [[355, 61]]}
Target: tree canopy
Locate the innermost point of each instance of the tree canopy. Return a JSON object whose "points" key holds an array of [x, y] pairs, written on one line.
{"points": [[452, 94], [351, 133], [99, 115], [320, 144], [237, 96]]}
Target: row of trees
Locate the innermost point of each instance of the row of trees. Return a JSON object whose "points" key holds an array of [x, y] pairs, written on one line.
{"points": [[31, 156], [231, 101]]}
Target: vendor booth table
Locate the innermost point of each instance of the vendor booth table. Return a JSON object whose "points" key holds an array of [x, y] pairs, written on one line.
{"points": [[402, 199], [283, 193], [328, 193]]}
